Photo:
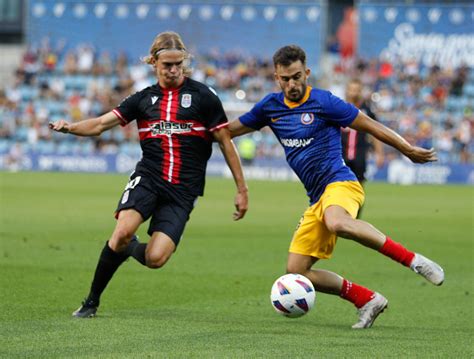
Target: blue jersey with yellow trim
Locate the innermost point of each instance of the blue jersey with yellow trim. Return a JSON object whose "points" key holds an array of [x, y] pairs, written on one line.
{"points": [[310, 134]]}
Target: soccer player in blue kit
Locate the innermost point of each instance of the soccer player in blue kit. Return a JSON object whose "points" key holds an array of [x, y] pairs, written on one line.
{"points": [[307, 121]]}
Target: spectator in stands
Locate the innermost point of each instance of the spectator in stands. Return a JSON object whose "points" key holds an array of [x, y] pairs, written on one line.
{"points": [[247, 150], [14, 158], [463, 139], [444, 143], [29, 65], [70, 64], [13, 92], [50, 61], [8, 113], [457, 84], [347, 36], [85, 59], [424, 135], [121, 64], [104, 64]]}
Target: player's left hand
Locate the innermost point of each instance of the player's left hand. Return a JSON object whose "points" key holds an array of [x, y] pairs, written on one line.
{"points": [[421, 155], [241, 205]]}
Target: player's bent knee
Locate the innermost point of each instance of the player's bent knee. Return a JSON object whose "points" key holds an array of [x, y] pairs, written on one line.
{"points": [[156, 261], [339, 226], [120, 239], [333, 225], [122, 234]]}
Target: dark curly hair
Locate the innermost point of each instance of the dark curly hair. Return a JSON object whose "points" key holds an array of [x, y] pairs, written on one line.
{"points": [[286, 55]]}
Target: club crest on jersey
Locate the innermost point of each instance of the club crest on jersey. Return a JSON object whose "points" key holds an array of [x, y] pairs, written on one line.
{"points": [[186, 100], [307, 118]]}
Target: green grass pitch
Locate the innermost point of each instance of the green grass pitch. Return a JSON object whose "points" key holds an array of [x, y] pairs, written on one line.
{"points": [[212, 298]]}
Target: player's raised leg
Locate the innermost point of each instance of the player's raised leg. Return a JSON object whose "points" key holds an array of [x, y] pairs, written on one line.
{"points": [[155, 253], [159, 250], [340, 222], [368, 303], [112, 256]]}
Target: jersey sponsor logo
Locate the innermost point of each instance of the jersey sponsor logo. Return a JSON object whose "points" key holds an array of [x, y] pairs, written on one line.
{"points": [[154, 99], [296, 142], [307, 118], [169, 128], [186, 100]]}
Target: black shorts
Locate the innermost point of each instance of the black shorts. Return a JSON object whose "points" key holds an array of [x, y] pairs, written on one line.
{"points": [[168, 215]]}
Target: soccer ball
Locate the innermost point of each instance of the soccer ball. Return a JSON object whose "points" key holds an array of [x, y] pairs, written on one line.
{"points": [[292, 295]]}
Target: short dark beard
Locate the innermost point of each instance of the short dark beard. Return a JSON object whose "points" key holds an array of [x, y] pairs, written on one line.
{"points": [[303, 92]]}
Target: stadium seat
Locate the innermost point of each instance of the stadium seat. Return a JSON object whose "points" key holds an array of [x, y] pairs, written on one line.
{"points": [[5, 145], [28, 93], [21, 134], [46, 147], [87, 148], [64, 148], [469, 90]]}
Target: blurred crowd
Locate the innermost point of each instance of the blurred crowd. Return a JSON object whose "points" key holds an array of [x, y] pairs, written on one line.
{"points": [[430, 106]]}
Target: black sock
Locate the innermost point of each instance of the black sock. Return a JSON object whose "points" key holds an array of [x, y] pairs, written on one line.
{"points": [[109, 261], [137, 250]]}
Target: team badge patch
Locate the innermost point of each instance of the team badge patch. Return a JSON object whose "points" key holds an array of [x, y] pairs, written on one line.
{"points": [[307, 118], [186, 100]]}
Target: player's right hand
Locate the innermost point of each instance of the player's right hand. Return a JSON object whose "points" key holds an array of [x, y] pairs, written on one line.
{"points": [[421, 155], [59, 126], [241, 205]]}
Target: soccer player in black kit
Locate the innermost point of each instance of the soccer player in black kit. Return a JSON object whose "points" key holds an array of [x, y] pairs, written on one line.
{"points": [[356, 144], [177, 118]]}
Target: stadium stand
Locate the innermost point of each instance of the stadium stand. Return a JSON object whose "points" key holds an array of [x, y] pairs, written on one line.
{"points": [[431, 106], [62, 77]]}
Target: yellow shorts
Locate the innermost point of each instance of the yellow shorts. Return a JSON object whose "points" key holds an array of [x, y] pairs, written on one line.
{"points": [[311, 237]]}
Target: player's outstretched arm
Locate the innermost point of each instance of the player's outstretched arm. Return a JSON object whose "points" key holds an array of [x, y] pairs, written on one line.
{"points": [[390, 137], [90, 127], [236, 128], [232, 158]]}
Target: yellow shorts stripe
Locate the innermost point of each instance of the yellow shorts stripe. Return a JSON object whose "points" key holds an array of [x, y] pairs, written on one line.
{"points": [[311, 237]]}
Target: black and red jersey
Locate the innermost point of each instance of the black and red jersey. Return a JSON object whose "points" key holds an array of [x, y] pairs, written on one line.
{"points": [[175, 128], [355, 144]]}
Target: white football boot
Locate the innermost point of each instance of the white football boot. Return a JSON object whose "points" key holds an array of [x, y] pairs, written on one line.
{"points": [[370, 311], [430, 270]]}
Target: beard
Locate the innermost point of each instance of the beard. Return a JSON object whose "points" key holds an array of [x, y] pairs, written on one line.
{"points": [[296, 95]]}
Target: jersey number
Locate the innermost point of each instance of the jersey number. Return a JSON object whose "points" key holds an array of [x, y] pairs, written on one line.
{"points": [[133, 183]]}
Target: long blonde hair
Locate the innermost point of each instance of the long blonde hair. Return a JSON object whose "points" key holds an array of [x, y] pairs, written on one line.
{"points": [[168, 40]]}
